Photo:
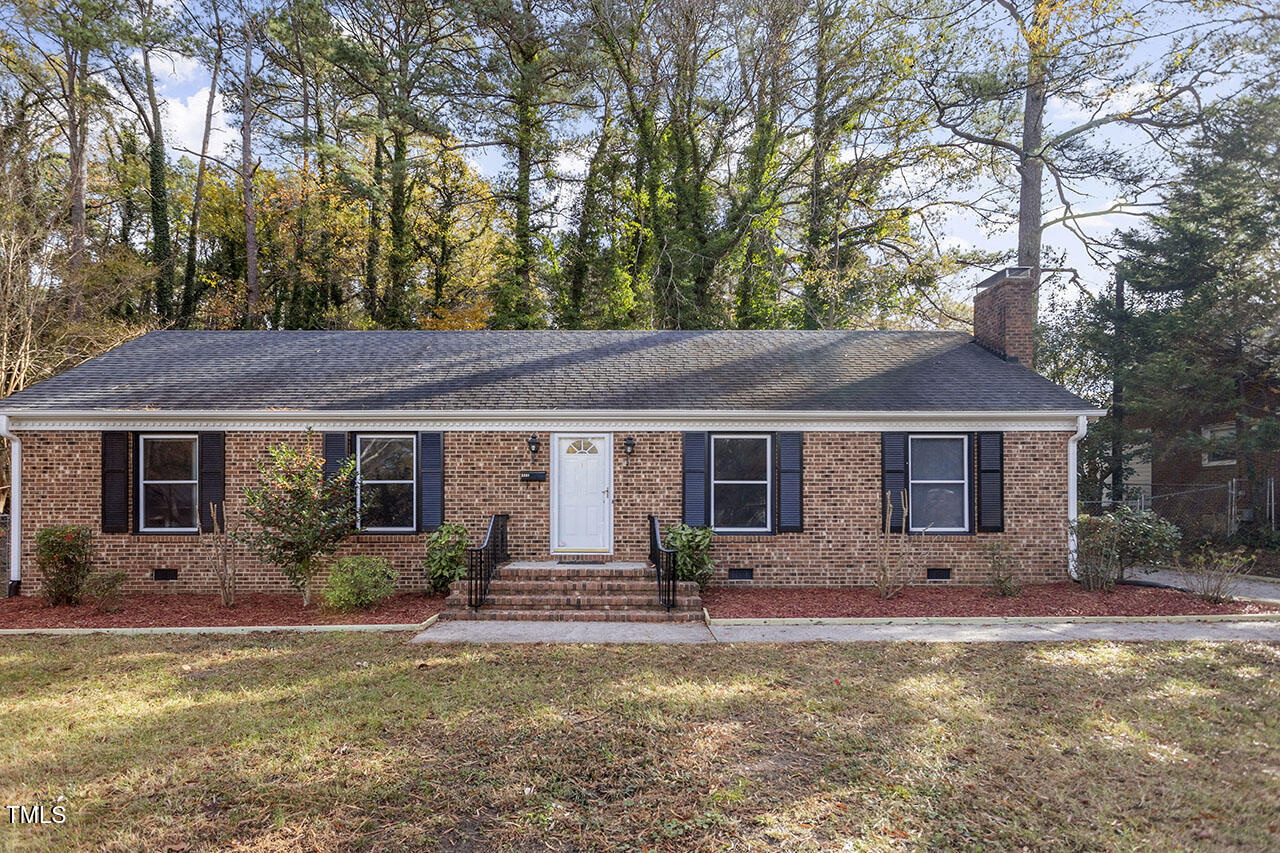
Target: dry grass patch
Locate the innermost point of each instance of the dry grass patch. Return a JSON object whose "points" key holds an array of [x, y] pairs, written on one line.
{"points": [[362, 742]]}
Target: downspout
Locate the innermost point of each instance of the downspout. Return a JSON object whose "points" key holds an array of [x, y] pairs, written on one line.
{"points": [[15, 506], [1073, 491]]}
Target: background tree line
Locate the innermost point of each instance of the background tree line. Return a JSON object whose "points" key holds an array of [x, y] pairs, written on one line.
{"points": [[585, 163]]}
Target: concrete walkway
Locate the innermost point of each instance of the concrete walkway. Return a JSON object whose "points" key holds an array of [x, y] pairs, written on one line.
{"points": [[1257, 590], [628, 632]]}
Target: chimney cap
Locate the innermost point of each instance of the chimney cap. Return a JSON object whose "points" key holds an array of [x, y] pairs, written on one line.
{"points": [[1006, 273]]}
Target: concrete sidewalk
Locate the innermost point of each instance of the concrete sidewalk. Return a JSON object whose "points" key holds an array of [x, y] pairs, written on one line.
{"points": [[627, 632]]}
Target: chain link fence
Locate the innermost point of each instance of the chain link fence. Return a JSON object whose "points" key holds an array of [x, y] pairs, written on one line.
{"points": [[1201, 511]]}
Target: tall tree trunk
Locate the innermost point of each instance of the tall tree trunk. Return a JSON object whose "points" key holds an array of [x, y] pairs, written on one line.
{"points": [[77, 144], [373, 247], [585, 236], [1031, 160], [813, 262], [252, 289], [189, 294], [398, 266], [301, 303], [157, 166], [520, 310], [1117, 393]]}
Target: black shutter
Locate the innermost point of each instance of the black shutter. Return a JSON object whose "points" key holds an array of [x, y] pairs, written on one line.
{"points": [[335, 452], [695, 479], [790, 482], [115, 482], [990, 492], [430, 480], [893, 488], [212, 489]]}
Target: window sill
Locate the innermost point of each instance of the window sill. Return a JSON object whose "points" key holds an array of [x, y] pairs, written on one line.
{"points": [[166, 535], [385, 536], [744, 534]]}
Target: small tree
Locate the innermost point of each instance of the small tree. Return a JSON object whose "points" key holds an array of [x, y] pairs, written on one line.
{"points": [[224, 559], [300, 516]]}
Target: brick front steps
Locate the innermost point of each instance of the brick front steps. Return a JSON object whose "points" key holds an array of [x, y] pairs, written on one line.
{"points": [[575, 592]]}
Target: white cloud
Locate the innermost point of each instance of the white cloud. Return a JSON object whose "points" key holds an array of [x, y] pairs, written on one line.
{"points": [[185, 123], [173, 71]]}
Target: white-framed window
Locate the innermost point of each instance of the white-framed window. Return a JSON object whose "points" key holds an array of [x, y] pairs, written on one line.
{"points": [[385, 485], [741, 483], [168, 484], [1217, 433], [938, 488]]}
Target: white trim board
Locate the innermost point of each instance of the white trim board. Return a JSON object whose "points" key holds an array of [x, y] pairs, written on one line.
{"points": [[535, 420]]}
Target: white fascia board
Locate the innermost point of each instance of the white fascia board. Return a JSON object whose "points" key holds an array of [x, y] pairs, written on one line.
{"points": [[544, 420]]}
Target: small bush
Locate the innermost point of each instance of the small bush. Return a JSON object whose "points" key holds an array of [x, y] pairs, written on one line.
{"points": [[359, 582], [104, 589], [446, 559], [1003, 582], [693, 552], [64, 554], [1111, 545], [1212, 575]]}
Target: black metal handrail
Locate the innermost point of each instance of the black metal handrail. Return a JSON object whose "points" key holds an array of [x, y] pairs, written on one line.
{"points": [[483, 561], [664, 565]]}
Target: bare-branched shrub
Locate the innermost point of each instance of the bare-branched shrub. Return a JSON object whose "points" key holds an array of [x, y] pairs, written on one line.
{"points": [[1211, 574], [223, 558], [898, 559], [999, 558]]}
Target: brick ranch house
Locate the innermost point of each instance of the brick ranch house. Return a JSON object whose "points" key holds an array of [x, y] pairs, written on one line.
{"points": [[785, 442]]}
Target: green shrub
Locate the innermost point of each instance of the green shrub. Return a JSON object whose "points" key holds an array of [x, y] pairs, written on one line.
{"points": [[64, 554], [693, 552], [104, 589], [1111, 545], [359, 582], [446, 559]]}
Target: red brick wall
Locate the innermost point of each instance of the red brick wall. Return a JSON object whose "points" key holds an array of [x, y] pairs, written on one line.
{"points": [[1004, 318], [62, 476]]}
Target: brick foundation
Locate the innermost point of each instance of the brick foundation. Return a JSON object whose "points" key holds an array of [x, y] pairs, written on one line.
{"points": [[62, 475]]}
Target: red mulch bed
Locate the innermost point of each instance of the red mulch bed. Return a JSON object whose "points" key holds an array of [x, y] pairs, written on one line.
{"points": [[187, 610], [1059, 599]]}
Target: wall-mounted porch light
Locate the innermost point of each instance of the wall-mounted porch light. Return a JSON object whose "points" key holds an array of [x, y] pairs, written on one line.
{"points": [[629, 447], [534, 444]]}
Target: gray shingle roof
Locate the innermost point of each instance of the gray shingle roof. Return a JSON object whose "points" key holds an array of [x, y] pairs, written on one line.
{"points": [[332, 371]]}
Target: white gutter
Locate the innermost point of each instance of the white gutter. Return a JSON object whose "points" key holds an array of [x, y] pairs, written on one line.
{"points": [[15, 505], [543, 419], [1073, 491]]}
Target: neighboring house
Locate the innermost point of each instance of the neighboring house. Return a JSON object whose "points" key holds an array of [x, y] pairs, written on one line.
{"points": [[1209, 491], [785, 442]]}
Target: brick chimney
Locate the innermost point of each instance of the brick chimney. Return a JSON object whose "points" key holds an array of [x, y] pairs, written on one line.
{"points": [[1004, 314]]}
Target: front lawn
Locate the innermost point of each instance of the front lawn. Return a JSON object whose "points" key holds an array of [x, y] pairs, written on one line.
{"points": [[338, 742], [185, 609], [1056, 599]]}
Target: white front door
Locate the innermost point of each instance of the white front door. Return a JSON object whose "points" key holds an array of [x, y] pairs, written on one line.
{"points": [[582, 494]]}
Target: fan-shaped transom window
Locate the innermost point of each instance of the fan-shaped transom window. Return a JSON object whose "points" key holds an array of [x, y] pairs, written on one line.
{"points": [[582, 445]]}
